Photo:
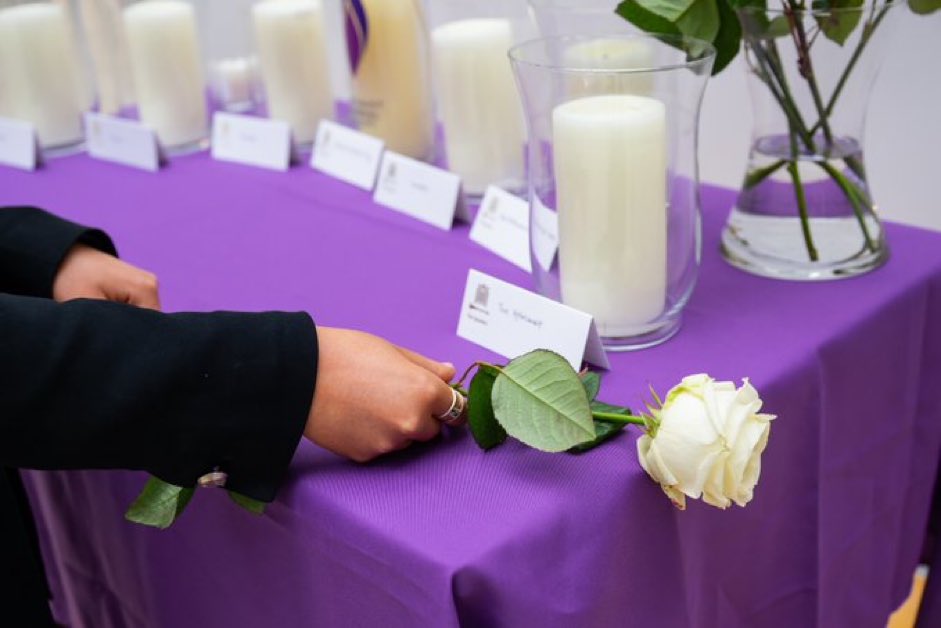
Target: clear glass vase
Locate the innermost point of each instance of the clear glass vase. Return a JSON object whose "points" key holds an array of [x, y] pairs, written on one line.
{"points": [[805, 210], [45, 76], [613, 179]]}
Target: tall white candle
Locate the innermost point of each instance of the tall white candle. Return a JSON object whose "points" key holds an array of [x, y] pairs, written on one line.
{"points": [[478, 102], [39, 72], [391, 99], [610, 54], [168, 78], [610, 155], [292, 49]]}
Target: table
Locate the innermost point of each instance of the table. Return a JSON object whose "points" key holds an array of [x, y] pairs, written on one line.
{"points": [[445, 535]]}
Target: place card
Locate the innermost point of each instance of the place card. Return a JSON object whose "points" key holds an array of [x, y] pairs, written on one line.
{"points": [[18, 144], [125, 142], [502, 226], [545, 234], [251, 141], [419, 190], [511, 321], [346, 154]]}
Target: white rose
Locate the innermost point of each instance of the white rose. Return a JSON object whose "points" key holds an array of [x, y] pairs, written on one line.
{"points": [[707, 441]]}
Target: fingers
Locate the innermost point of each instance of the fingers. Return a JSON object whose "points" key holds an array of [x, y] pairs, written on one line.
{"points": [[448, 400], [443, 370], [145, 293]]}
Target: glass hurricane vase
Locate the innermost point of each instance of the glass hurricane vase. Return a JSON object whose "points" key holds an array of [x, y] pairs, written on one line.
{"points": [[805, 210], [612, 173]]}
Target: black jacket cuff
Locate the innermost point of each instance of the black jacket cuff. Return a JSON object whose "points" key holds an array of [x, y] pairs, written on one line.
{"points": [[33, 244]]}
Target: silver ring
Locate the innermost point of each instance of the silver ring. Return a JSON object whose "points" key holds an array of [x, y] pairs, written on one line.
{"points": [[456, 411]]}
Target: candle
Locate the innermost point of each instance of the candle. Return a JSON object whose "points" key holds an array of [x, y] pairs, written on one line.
{"points": [[165, 62], [292, 49], [39, 72], [232, 81], [478, 103], [610, 159], [610, 54], [388, 54]]}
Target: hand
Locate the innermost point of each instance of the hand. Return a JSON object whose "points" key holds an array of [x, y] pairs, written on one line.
{"points": [[87, 273], [373, 397]]}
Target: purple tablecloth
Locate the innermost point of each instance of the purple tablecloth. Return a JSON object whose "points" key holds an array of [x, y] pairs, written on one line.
{"points": [[444, 534]]}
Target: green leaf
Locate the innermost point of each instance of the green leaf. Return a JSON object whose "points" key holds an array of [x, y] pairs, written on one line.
{"points": [[592, 384], [645, 20], [159, 504], [701, 20], [480, 418], [539, 399], [728, 40], [671, 10], [837, 18], [252, 505], [603, 433], [924, 7]]}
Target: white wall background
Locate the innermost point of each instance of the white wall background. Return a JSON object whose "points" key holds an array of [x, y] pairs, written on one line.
{"points": [[903, 142]]}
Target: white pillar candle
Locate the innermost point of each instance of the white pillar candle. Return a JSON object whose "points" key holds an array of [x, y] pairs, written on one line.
{"points": [[391, 99], [39, 72], [610, 155], [168, 78], [610, 54], [478, 102], [289, 35]]}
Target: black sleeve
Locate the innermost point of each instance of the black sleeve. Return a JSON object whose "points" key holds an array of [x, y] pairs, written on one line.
{"points": [[93, 384], [32, 246]]}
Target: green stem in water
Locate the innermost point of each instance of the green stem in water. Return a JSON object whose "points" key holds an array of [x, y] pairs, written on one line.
{"points": [[623, 419], [855, 198], [802, 208], [754, 178]]}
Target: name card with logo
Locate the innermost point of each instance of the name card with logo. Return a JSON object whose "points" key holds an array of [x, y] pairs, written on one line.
{"points": [[125, 142], [545, 234], [346, 154], [251, 141], [511, 321], [421, 191], [502, 226], [18, 144]]}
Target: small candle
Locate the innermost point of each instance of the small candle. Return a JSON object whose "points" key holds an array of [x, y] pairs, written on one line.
{"points": [[390, 90], [231, 81], [613, 55], [478, 102], [610, 155], [292, 49], [39, 73], [168, 78]]}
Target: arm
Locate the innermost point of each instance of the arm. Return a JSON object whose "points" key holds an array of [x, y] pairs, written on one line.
{"points": [[91, 384]]}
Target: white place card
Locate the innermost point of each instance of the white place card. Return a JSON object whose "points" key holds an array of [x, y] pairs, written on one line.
{"points": [[251, 141], [419, 190], [18, 144], [502, 226], [545, 234], [346, 154], [512, 321], [125, 142]]}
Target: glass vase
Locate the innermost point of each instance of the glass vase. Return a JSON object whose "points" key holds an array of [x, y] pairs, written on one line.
{"points": [[805, 210], [44, 72], [477, 103], [228, 47], [613, 180]]}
